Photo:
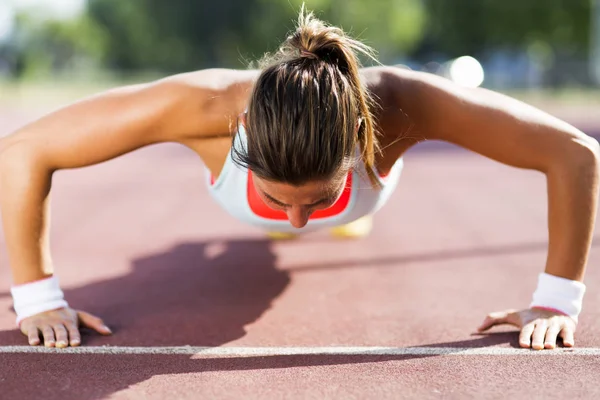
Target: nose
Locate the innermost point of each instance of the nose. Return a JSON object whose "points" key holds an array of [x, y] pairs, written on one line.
{"points": [[298, 216]]}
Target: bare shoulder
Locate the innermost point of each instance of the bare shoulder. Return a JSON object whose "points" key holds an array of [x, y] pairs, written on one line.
{"points": [[216, 96], [217, 79], [185, 108], [482, 120], [437, 108], [384, 80], [403, 90], [397, 109]]}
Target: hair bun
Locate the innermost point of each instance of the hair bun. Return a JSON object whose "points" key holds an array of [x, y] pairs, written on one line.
{"points": [[308, 54], [315, 40]]}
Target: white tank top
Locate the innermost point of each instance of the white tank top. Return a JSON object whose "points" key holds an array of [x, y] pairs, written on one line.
{"points": [[234, 191]]}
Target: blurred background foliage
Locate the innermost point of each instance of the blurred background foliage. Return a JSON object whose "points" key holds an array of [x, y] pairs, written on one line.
{"points": [[181, 35], [522, 43]]}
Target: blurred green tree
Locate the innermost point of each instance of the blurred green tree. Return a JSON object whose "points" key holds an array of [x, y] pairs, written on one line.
{"points": [[50, 46], [461, 27], [184, 35]]}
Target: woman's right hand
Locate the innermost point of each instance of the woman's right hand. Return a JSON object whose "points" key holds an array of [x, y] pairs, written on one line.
{"points": [[60, 328]]}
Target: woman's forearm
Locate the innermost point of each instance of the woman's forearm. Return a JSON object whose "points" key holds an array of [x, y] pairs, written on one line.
{"points": [[572, 207], [24, 200]]}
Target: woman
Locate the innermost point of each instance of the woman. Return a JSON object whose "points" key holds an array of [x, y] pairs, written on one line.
{"points": [[305, 155]]}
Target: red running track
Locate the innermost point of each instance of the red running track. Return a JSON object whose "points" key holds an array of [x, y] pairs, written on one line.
{"points": [[139, 242]]}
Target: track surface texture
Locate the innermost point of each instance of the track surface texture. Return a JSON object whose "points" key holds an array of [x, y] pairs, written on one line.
{"points": [[203, 306]]}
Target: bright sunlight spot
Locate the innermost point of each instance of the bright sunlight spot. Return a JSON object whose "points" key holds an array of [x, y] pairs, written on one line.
{"points": [[467, 71]]}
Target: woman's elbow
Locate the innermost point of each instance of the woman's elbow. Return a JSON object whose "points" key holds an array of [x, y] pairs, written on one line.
{"points": [[584, 153]]}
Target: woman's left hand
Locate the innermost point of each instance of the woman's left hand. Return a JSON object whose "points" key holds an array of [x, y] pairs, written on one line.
{"points": [[539, 327]]}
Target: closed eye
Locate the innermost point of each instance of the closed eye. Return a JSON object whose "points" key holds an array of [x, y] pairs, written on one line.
{"points": [[325, 201], [328, 201], [277, 203]]}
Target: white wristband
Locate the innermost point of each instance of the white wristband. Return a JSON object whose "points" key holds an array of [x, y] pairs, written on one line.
{"points": [[36, 297], [559, 294]]}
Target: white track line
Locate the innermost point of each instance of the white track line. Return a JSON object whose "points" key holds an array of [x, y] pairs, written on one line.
{"points": [[306, 351]]}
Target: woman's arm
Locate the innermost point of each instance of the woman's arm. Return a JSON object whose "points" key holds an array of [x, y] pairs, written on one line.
{"points": [[520, 135], [183, 108], [516, 134], [88, 132]]}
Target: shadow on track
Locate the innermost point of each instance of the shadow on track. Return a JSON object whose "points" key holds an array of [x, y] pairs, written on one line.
{"points": [[430, 256], [198, 294]]}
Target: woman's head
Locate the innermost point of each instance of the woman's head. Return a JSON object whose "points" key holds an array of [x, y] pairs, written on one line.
{"points": [[307, 115]]}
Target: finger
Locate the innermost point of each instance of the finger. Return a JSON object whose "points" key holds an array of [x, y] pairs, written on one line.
{"points": [[499, 318], [551, 334], [492, 319], [93, 322], [48, 334], [525, 335], [62, 340], [33, 335], [567, 334], [539, 333], [74, 335]]}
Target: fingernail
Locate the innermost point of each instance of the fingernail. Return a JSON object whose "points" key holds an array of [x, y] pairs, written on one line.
{"points": [[75, 342], [61, 344], [106, 328]]}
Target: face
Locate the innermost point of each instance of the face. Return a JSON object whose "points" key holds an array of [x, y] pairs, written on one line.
{"points": [[299, 202]]}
